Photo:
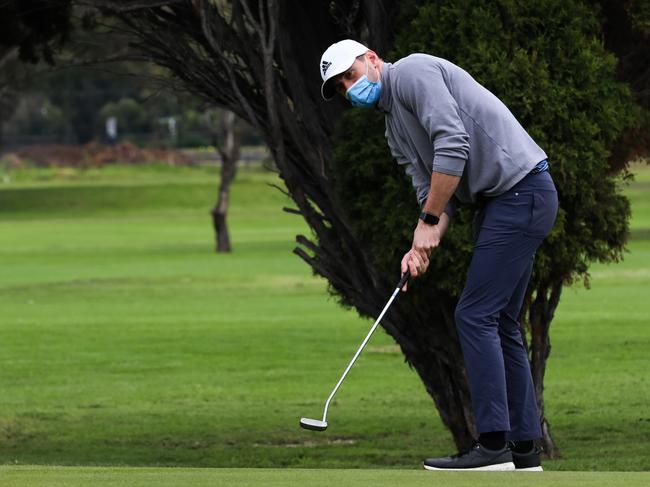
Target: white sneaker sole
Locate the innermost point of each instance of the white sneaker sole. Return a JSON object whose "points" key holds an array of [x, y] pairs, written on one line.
{"points": [[499, 467], [530, 469]]}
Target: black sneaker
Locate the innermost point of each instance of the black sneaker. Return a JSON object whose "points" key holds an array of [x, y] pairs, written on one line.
{"points": [[478, 458], [527, 462]]}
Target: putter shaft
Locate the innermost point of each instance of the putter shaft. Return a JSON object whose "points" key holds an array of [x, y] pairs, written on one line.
{"points": [[403, 281]]}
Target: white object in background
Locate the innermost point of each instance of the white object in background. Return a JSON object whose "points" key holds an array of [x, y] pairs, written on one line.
{"points": [[111, 128]]}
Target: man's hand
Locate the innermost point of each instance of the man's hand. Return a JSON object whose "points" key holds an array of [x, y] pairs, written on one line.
{"points": [[425, 239], [411, 262]]}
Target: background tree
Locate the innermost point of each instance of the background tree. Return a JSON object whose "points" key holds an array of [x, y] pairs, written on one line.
{"points": [[73, 102], [30, 30], [626, 33], [226, 140], [258, 59], [34, 27]]}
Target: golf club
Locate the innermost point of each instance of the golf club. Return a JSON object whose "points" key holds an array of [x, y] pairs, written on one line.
{"points": [[321, 425]]}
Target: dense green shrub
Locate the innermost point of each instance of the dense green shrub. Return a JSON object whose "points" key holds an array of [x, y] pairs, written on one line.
{"points": [[545, 62]]}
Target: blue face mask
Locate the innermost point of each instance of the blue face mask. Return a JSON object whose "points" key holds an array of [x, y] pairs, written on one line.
{"points": [[364, 93]]}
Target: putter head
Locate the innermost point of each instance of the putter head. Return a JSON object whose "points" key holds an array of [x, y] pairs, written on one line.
{"points": [[313, 424]]}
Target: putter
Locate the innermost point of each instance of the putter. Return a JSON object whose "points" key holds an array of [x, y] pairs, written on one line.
{"points": [[321, 425]]}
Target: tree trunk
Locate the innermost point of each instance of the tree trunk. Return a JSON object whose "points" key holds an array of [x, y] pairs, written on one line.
{"points": [[229, 150], [541, 311], [219, 213]]}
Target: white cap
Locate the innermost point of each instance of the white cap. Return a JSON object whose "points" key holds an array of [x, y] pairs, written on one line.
{"points": [[337, 59]]}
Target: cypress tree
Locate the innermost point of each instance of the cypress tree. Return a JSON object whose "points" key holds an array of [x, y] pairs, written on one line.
{"points": [[544, 60]]}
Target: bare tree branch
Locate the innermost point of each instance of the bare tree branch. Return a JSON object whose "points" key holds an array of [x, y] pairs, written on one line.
{"points": [[127, 6]]}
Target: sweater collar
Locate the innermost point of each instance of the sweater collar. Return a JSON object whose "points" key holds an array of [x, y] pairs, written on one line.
{"points": [[385, 102]]}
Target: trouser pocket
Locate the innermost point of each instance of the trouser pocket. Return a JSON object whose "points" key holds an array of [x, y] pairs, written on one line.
{"points": [[543, 213]]}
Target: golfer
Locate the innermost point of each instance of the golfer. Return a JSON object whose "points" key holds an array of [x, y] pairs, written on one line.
{"points": [[461, 145]]}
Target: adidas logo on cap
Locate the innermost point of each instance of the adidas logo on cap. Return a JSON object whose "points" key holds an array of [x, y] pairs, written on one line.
{"points": [[324, 66]]}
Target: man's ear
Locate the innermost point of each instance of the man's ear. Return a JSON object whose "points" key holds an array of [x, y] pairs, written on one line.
{"points": [[372, 57]]}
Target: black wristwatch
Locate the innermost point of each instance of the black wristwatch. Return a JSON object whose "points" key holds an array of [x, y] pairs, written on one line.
{"points": [[428, 218]]}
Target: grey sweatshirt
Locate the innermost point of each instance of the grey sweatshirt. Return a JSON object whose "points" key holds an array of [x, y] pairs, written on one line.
{"points": [[438, 118]]}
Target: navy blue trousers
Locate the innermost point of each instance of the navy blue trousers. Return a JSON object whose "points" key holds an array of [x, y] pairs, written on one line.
{"points": [[508, 230]]}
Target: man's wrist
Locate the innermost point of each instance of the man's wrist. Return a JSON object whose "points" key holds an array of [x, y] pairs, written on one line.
{"points": [[429, 218]]}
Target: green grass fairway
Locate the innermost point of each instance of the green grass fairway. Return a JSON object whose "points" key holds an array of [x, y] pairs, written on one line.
{"points": [[163, 477], [125, 341]]}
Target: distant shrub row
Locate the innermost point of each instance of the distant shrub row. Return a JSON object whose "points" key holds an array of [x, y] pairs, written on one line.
{"points": [[94, 155]]}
